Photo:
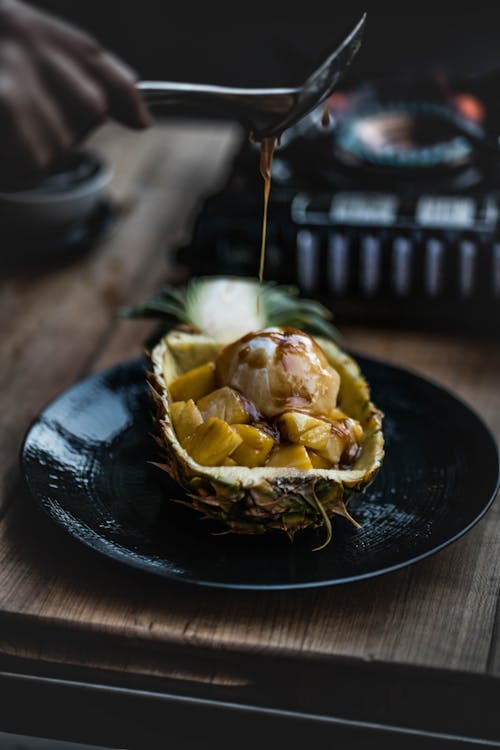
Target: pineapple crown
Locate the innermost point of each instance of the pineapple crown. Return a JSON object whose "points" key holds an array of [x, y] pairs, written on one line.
{"points": [[226, 308]]}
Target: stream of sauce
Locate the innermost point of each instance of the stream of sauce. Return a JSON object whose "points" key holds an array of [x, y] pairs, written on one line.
{"points": [[267, 147], [325, 119]]}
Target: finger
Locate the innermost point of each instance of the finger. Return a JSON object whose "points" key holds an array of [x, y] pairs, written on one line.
{"points": [[25, 149], [83, 100], [126, 103], [51, 120], [46, 111], [33, 129]]}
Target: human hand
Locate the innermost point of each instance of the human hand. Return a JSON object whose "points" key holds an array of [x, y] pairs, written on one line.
{"points": [[57, 83]]}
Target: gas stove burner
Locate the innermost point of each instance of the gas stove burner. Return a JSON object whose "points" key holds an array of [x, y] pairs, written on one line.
{"points": [[402, 135], [403, 140], [388, 215]]}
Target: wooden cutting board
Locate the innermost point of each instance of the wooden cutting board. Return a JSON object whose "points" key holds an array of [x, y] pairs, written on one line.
{"points": [[419, 646]]}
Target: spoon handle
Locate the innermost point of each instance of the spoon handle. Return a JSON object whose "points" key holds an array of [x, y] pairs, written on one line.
{"points": [[256, 109], [159, 91]]}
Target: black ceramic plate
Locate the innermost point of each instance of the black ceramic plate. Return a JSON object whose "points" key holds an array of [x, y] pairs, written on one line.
{"points": [[86, 462]]}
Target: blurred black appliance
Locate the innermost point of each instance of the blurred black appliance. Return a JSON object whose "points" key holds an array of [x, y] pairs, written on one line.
{"points": [[386, 215]]}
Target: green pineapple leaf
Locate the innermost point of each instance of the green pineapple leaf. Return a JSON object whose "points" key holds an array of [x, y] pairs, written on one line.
{"points": [[204, 302]]}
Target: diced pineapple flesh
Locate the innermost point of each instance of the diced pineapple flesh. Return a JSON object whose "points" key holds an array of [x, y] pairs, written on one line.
{"points": [[212, 425], [304, 429], [292, 456], [194, 384], [212, 442], [356, 429], [176, 408], [186, 418], [337, 414], [316, 437], [334, 448], [345, 434], [224, 403], [318, 461], [255, 448]]}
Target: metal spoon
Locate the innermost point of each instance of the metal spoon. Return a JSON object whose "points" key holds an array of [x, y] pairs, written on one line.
{"points": [[264, 112]]}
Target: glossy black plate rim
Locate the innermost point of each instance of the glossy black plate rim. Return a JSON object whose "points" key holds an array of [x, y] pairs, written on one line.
{"points": [[120, 555]]}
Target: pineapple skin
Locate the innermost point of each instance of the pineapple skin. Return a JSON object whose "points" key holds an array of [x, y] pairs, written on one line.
{"points": [[256, 501]]}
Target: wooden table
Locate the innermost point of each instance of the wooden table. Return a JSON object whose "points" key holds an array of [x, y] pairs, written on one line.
{"points": [[93, 651]]}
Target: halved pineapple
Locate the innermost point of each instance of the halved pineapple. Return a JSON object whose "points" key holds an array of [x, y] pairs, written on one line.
{"points": [[279, 495], [294, 488]]}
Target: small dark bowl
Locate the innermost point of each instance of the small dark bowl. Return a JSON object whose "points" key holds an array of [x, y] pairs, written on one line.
{"points": [[66, 196]]}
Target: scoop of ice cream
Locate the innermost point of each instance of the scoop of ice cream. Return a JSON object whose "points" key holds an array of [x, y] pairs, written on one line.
{"points": [[280, 369]]}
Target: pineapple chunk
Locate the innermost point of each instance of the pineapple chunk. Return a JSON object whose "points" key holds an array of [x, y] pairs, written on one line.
{"points": [[337, 414], [356, 430], [176, 408], [186, 418], [212, 442], [190, 351], [229, 462], [255, 448], [334, 447], [305, 430], [194, 383], [318, 461], [345, 434], [292, 456], [226, 404]]}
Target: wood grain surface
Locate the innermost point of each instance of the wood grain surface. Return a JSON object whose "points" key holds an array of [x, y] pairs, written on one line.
{"points": [[430, 627]]}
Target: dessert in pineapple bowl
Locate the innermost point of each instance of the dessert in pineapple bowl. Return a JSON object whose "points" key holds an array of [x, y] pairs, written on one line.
{"points": [[266, 426]]}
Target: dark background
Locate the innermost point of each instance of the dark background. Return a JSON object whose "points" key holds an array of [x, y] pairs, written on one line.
{"points": [[278, 44]]}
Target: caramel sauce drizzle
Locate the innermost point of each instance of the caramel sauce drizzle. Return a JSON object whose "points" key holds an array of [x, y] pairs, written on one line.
{"points": [[267, 147], [325, 118]]}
